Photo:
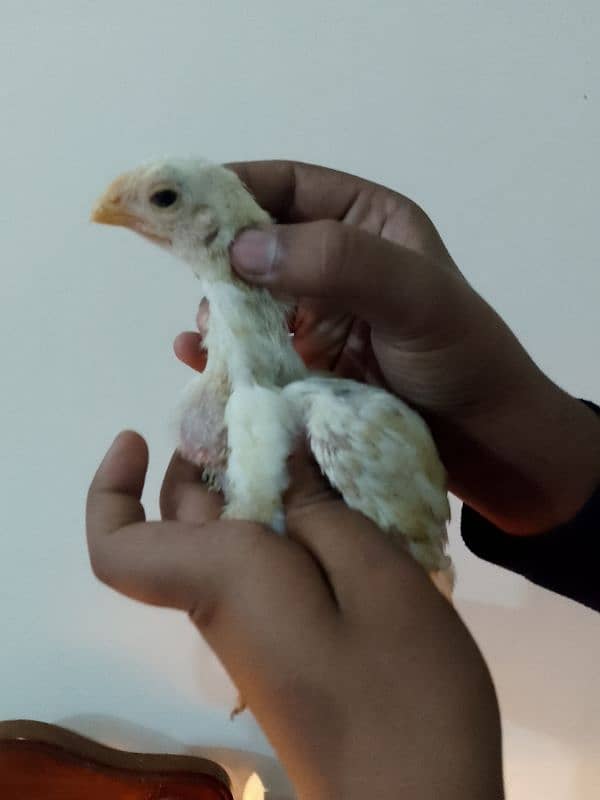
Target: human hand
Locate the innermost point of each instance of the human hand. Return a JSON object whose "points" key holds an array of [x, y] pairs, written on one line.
{"points": [[362, 676], [380, 299]]}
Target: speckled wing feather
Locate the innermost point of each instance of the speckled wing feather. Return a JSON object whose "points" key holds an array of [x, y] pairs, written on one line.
{"points": [[379, 454]]}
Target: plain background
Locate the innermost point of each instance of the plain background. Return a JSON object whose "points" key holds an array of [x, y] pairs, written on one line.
{"points": [[486, 113]]}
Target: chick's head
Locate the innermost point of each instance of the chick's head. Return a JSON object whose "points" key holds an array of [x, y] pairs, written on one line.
{"points": [[190, 207]]}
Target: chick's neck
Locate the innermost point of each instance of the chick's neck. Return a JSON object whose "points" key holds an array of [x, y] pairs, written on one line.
{"points": [[247, 335]]}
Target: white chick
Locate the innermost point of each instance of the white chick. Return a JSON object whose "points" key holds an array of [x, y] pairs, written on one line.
{"points": [[240, 418]]}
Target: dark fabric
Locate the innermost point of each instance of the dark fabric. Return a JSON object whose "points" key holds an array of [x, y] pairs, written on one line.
{"points": [[565, 559]]}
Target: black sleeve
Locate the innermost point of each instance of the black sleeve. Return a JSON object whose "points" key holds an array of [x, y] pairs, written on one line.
{"points": [[565, 559]]}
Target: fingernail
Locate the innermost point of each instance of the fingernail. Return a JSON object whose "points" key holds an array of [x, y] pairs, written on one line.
{"points": [[253, 252]]}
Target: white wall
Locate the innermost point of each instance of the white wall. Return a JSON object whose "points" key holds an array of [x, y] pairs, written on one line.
{"points": [[486, 113]]}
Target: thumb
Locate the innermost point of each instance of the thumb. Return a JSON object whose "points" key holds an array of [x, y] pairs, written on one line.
{"points": [[379, 281]]}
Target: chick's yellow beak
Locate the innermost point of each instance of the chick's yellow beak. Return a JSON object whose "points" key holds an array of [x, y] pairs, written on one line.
{"points": [[110, 210], [109, 214]]}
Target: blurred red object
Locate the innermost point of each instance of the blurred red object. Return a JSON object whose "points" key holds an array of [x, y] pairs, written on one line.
{"points": [[45, 762]]}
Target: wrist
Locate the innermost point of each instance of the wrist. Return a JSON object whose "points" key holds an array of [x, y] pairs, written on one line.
{"points": [[530, 464]]}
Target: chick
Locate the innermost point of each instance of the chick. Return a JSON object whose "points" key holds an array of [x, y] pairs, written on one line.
{"points": [[240, 418]]}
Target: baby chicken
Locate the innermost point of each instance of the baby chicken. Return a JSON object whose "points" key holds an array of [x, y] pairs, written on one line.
{"points": [[239, 419]]}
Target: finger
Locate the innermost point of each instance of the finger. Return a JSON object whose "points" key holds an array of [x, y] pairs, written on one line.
{"points": [[351, 550], [354, 555], [171, 563], [159, 563], [343, 542], [381, 282], [320, 334], [307, 485], [295, 192], [185, 497], [114, 497], [188, 349], [357, 360]]}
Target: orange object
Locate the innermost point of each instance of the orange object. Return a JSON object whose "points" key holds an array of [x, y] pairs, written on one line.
{"points": [[45, 762]]}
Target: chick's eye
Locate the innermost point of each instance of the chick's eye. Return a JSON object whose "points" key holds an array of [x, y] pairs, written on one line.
{"points": [[164, 198]]}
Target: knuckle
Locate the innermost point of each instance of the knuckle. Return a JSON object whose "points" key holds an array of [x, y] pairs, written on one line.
{"points": [[409, 212], [204, 612], [333, 255], [417, 215], [165, 503], [100, 566]]}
